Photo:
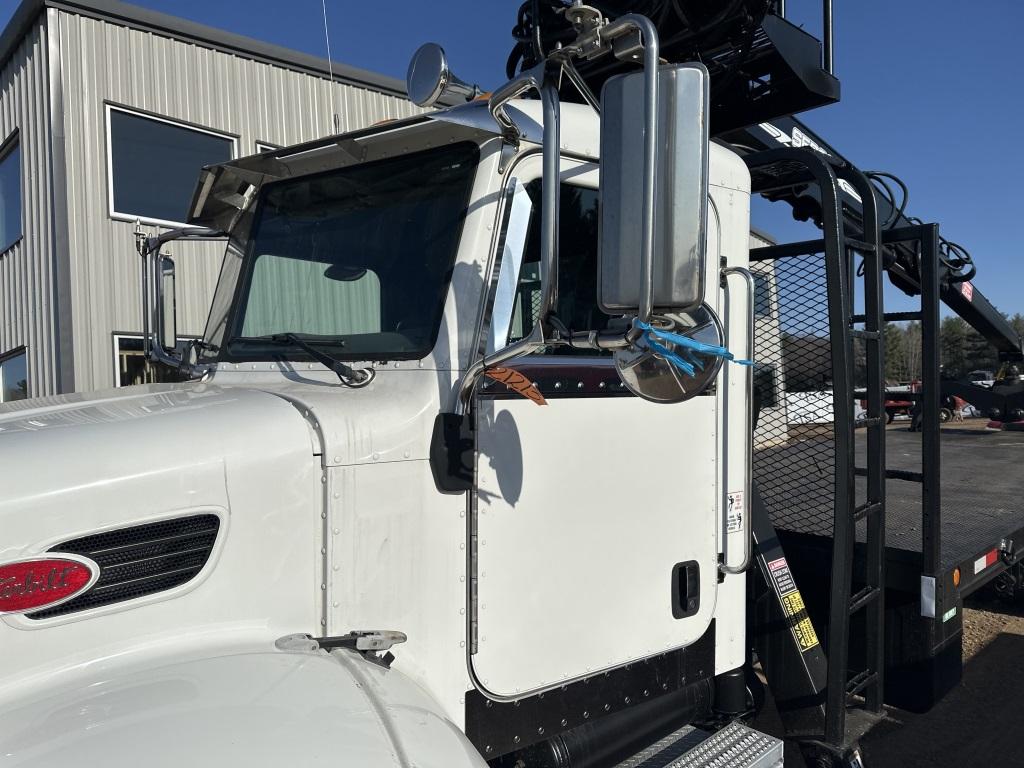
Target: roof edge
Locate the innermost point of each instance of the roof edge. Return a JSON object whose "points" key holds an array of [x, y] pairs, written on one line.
{"points": [[25, 16], [133, 16]]}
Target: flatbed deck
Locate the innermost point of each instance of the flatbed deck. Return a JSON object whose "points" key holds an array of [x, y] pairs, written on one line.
{"points": [[980, 499]]}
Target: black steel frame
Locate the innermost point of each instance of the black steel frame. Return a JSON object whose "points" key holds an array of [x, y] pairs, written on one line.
{"points": [[925, 237]]}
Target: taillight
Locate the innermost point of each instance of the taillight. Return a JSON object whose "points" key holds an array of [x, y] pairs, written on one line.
{"points": [[42, 582]]}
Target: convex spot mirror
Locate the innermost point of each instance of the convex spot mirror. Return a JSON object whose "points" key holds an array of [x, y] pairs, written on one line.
{"points": [[680, 198], [429, 78]]}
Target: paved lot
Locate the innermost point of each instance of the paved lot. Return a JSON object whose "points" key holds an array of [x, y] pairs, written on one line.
{"points": [[980, 493]]}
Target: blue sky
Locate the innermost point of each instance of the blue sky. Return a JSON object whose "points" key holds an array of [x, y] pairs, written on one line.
{"points": [[931, 91]]}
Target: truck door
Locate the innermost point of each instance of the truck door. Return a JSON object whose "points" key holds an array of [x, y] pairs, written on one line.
{"points": [[595, 518]]}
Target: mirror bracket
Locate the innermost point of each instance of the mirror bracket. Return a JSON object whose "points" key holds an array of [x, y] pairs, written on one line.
{"points": [[509, 151], [628, 47], [530, 80]]}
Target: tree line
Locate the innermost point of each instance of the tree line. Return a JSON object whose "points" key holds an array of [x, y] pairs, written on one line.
{"points": [[807, 358], [961, 349]]}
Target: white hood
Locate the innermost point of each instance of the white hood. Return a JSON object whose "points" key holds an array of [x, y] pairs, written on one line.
{"points": [[79, 465]]}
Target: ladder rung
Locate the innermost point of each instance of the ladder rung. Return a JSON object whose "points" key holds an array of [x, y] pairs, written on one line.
{"points": [[861, 681], [868, 335], [894, 474], [889, 317], [904, 474], [866, 509], [862, 598], [859, 245]]}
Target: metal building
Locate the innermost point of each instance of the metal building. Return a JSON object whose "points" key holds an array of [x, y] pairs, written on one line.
{"points": [[769, 361], [107, 112]]}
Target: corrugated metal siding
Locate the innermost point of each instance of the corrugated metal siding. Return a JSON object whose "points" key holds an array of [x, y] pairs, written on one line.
{"points": [[26, 269], [102, 62]]}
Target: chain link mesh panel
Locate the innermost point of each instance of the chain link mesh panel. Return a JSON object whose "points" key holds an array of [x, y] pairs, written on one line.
{"points": [[794, 443]]}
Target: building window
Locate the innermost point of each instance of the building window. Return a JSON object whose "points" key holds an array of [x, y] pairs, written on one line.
{"points": [[132, 367], [262, 146], [10, 194], [762, 296], [14, 377], [155, 163]]}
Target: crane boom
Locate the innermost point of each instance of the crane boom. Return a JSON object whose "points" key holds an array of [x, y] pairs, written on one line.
{"points": [[957, 290]]}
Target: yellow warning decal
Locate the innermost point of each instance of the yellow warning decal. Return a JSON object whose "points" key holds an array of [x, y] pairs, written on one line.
{"points": [[805, 635], [793, 605]]}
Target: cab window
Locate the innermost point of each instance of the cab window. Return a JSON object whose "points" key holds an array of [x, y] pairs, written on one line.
{"points": [[577, 304]]}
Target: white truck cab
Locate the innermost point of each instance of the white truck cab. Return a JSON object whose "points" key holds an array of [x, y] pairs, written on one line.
{"points": [[427, 500]]}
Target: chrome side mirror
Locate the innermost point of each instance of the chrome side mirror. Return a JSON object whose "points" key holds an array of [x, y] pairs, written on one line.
{"points": [[159, 297], [167, 320], [429, 78], [673, 280]]}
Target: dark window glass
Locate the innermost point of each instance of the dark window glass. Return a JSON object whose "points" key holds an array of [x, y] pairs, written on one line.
{"points": [[577, 304], [14, 378], [762, 296], [10, 197], [766, 385], [359, 258], [134, 368], [154, 165]]}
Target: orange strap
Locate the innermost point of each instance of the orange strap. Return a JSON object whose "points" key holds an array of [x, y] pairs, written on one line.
{"points": [[515, 381]]}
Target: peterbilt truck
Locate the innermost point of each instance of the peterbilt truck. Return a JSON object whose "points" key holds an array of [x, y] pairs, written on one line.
{"points": [[459, 473], [462, 471]]}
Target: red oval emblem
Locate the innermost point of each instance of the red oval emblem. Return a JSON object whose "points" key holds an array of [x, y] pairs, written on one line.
{"points": [[29, 585]]}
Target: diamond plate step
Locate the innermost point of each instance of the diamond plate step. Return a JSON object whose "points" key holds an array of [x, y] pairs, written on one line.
{"points": [[735, 746]]}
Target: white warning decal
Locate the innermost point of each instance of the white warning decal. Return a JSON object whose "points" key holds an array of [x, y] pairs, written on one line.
{"points": [[734, 513]]}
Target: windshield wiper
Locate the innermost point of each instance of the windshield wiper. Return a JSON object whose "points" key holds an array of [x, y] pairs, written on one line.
{"points": [[347, 375]]}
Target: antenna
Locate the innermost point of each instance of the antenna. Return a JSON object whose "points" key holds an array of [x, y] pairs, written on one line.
{"points": [[330, 69]]}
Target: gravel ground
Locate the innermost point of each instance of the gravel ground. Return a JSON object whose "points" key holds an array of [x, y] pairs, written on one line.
{"points": [[977, 724]]}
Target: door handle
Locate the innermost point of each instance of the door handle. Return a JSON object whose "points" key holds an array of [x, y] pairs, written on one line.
{"points": [[685, 589]]}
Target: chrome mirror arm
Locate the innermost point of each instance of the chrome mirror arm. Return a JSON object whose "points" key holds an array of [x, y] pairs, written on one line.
{"points": [[595, 38], [530, 80], [550, 206], [649, 39]]}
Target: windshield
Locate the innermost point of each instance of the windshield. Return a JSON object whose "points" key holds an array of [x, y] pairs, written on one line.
{"points": [[358, 259]]}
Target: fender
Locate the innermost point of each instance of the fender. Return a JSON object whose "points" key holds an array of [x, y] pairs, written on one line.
{"points": [[252, 705]]}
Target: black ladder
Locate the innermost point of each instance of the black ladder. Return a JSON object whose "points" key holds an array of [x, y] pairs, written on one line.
{"points": [[842, 681], [772, 172]]}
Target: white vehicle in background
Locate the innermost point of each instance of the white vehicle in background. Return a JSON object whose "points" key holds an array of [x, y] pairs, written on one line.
{"points": [[982, 378]]}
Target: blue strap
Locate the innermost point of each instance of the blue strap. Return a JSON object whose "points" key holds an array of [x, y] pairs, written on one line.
{"points": [[683, 365], [686, 360]]}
